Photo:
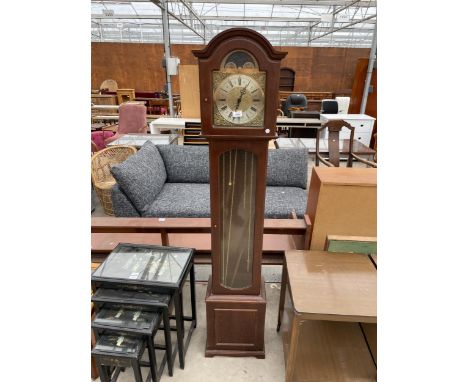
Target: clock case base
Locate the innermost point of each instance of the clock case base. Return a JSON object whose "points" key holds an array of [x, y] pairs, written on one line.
{"points": [[235, 324]]}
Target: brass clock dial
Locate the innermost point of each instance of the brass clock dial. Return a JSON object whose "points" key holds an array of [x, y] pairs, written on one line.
{"points": [[239, 99]]}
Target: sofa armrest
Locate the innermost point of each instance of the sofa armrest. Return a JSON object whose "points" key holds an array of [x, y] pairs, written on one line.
{"points": [[122, 206]]}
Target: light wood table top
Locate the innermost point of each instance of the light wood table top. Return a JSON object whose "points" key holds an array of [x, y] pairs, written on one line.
{"points": [[105, 107], [115, 117], [298, 121], [179, 123], [346, 117], [333, 286]]}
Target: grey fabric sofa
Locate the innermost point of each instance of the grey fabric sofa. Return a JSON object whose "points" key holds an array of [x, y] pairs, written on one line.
{"points": [[173, 181]]}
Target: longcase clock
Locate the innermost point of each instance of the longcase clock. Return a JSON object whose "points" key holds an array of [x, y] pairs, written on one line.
{"points": [[239, 81]]}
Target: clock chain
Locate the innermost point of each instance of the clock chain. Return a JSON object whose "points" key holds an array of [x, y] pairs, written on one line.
{"points": [[232, 186], [250, 233], [223, 197]]}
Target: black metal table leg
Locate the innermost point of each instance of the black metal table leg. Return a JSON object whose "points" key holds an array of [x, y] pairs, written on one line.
{"points": [[181, 294], [103, 375], [167, 338], [152, 359], [137, 371], [192, 295], [179, 325]]}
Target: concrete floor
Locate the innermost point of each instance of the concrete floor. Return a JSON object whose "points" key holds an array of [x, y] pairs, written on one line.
{"points": [[201, 369]]}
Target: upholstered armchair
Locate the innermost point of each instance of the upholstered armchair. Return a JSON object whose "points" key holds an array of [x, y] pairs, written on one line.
{"points": [[132, 119], [98, 139]]}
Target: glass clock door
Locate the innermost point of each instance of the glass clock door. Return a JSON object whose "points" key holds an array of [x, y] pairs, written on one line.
{"points": [[237, 174]]}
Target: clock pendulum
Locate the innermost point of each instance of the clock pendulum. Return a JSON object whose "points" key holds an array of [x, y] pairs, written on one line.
{"points": [[239, 82]]}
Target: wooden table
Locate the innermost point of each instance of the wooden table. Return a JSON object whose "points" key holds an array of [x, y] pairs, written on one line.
{"points": [[179, 123], [362, 123], [304, 114], [169, 123], [115, 117], [105, 107], [324, 297], [310, 143]]}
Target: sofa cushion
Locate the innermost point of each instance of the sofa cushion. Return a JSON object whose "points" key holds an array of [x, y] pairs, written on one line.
{"points": [[186, 164], [281, 201], [193, 200], [121, 204], [141, 176], [287, 168], [190, 200]]}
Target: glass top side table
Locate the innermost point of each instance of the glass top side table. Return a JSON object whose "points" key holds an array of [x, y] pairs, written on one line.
{"points": [[131, 297], [153, 269], [116, 351], [119, 344], [145, 264], [138, 140], [119, 312], [136, 319]]}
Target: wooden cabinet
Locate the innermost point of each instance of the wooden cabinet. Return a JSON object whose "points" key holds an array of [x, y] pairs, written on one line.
{"points": [[342, 201], [287, 78]]}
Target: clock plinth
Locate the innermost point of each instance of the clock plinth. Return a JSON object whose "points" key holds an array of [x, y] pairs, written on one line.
{"points": [[236, 324]]}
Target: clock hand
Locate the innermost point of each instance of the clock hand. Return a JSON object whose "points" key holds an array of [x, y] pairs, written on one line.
{"points": [[242, 92]]}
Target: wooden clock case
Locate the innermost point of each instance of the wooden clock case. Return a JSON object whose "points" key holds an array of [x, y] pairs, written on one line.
{"points": [[236, 316]]}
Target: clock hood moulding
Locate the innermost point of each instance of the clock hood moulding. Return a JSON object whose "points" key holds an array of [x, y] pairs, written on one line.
{"points": [[239, 32], [267, 62]]}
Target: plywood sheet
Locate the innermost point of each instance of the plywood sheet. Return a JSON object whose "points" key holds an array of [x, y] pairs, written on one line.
{"points": [[189, 91]]}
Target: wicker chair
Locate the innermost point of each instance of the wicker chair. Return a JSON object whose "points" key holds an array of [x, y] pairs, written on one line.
{"points": [[109, 86], [101, 163]]}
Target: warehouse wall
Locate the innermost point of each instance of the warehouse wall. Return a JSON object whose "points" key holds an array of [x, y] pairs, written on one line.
{"points": [[138, 66]]}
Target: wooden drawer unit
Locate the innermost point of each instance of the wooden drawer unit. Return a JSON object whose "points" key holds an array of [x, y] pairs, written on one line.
{"points": [[192, 134], [362, 123]]}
